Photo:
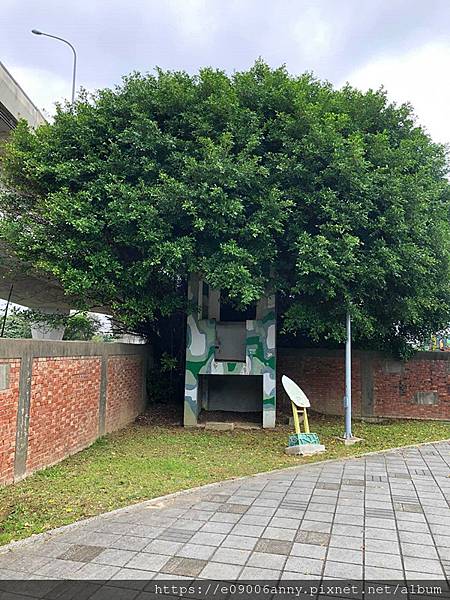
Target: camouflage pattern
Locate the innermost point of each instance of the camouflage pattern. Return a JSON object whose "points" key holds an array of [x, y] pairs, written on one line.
{"points": [[200, 356]]}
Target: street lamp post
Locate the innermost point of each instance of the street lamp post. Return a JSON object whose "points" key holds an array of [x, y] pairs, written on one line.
{"points": [[348, 379], [74, 73]]}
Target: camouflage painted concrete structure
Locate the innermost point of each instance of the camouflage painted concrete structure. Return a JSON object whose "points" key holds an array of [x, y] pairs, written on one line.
{"points": [[214, 346]]}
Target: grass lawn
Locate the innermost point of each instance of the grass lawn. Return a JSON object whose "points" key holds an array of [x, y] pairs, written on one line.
{"points": [[143, 462]]}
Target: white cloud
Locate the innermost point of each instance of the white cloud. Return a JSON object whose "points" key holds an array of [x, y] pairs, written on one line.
{"points": [[419, 77], [195, 20], [312, 33], [43, 87]]}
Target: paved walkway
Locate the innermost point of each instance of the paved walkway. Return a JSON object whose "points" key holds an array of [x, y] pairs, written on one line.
{"points": [[383, 516]]}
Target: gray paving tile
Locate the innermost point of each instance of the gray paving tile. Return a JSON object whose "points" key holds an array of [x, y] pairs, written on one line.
{"points": [[444, 553], [312, 537], [259, 574], [422, 565], [348, 519], [285, 523], [175, 535], [343, 571], [380, 574], [210, 539], [416, 538], [98, 539], [262, 510], [327, 485], [189, 567], [233, 508], [135, 578], [266, 560], [81, 553], [384, 560], [380, 523], [442, 540], [59, 568], [47, 548], [321, 507], [231, 556], [239, 541], [91, 571], [351, 530], [266, 502], [128, 542], [341, 541], [439, 529], [315, 526], [261, 520], [380, 534], [196, 551], [217, 527], [249, 530], [273, 546], [413, 526], [385, 546], [140, 531], [419, 550], [188, 525], [303, 564], [148, 562], [114, 557], [112, 527], [277, 533], [221, 571], [225, 518], [345, 555], [289, 513], [26, 563], [311, 515], [162, 547], [309, 551]]}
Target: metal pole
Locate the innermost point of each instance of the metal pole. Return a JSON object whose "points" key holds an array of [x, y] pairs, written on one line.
{"points": [[74, 71], [348, 379], [6, 310]]}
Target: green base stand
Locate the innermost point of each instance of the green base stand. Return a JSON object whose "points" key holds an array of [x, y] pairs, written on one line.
{"points": [[297, 439], [304, 444]]}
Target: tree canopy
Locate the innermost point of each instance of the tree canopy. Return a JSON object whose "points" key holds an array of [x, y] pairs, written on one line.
{"points": [[334, 198]]}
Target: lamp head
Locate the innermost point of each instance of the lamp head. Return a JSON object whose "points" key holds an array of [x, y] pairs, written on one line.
{"points": [[36, 32]]}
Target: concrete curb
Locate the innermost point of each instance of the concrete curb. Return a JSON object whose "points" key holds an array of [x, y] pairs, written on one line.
{"points": [[53, 532]]}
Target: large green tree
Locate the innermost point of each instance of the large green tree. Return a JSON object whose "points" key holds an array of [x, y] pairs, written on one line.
{"points": [[337, 199]]}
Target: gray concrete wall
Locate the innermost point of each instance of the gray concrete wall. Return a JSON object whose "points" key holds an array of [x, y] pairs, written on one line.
{"points": [[16, 348], [16, 101]]}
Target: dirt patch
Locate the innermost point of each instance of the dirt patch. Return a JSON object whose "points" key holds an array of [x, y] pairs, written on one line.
{"points": [[159, 414]]}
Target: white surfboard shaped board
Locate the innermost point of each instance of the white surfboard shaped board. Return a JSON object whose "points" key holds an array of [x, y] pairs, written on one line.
{"points": [[295, 393]]}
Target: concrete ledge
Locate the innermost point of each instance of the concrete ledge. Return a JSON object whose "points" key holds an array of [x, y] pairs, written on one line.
{"points": [[16, 348]]}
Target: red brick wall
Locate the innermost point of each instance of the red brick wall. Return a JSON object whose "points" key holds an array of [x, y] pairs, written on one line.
{"points": [[394, 392], [322, 378], [9, 400], [64, 408], [393, 384], [124, 390], [72, 399]]}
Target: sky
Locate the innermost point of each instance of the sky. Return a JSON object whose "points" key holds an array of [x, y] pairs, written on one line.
{"points": [[401, 44]]}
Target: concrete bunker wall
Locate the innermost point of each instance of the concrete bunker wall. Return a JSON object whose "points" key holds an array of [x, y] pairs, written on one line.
{"points": [[239, 349]]}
